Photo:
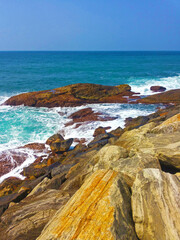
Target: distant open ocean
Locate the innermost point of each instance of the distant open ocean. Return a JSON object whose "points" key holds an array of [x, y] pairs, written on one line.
{"points": [[33, 71]]}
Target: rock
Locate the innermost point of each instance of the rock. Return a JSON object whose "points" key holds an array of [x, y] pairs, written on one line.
{"points": [[100, 140], [157, 89], [127, 163], [87, 115], [156, 205], [172, 96], [61, 146], [14, 197], [26, 219], [170, 125], [169, 160], [35, 170], [131, 123], [98, 131], [178, 175], [35, 146], [161, 115], [100, 209], [73, 95], [54, 138], [117, 132], [9, 185], [124, 88], [47, 183]]}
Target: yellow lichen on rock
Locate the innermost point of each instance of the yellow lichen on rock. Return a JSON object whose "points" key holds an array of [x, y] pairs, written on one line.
{"points": [[91, 213]]}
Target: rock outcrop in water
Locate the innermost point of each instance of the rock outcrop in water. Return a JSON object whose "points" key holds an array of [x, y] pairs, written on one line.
{"points": [[172, 96], [74, 95], [122, 185]]}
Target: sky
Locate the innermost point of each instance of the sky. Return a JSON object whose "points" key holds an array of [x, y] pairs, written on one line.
{"points": [[89, 25]]}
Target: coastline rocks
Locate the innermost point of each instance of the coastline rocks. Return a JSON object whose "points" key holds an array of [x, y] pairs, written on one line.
{"points": [[157, 89], [73, 95], [156, 205], [172, 96], [100, 209], [26, 219]]}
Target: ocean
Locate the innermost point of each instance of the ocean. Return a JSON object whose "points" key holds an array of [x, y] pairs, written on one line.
{"points": [[32, 71]]}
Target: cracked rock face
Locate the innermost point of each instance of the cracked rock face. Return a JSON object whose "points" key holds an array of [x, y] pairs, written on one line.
{"points": [[100, 209], [156, 205]]}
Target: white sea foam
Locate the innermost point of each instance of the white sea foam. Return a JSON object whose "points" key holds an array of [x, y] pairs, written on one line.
{"points": [[142, 86], [17, 171], [41, 123]]}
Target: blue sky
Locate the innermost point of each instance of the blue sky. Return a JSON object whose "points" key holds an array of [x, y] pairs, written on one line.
{"points": [[89, 25]]}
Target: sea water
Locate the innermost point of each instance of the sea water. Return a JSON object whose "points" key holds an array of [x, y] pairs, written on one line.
{"points": [[34, 71]]}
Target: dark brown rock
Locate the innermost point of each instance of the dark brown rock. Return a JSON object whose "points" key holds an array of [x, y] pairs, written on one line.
{"points": [[157, 89], [87, 115]]}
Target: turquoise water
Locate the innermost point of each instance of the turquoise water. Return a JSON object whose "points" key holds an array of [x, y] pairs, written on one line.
{"points": [[33, 71]]}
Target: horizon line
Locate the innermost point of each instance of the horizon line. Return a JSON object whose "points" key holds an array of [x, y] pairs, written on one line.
{"points": [[89, 50]]}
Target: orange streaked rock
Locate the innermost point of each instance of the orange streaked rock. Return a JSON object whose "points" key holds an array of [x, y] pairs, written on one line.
{"points": [[100, 209]]}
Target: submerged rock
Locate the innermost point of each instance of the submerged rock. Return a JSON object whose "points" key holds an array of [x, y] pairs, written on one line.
{"points": [[156, 205], [157, 89], [87, 115]]}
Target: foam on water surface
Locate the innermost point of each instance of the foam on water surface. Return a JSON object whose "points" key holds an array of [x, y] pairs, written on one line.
{"points": [[143, 86], [22, 125]]}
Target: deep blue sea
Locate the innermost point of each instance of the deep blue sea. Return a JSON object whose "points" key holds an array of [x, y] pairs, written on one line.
{"points": [[33, 71]]}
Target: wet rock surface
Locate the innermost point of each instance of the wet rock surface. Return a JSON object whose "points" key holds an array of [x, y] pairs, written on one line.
{"points": [[157, 89], [87, 115]]}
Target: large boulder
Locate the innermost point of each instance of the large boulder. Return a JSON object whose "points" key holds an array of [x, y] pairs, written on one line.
{"points": [[127, 163], [100, 209], [156, 205], [61, 146], [53, 138]]}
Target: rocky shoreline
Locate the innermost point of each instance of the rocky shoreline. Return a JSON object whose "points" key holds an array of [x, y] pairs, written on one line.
{"points": [[124, 184]]}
